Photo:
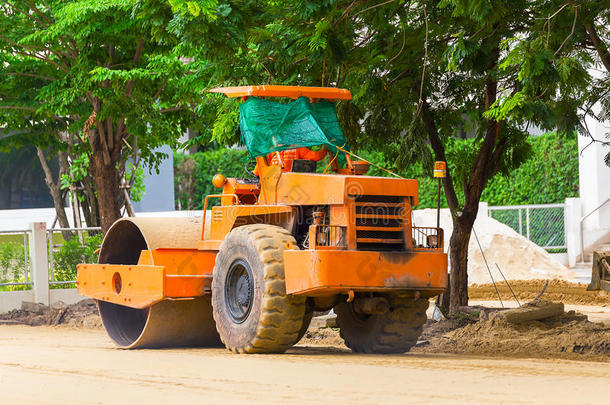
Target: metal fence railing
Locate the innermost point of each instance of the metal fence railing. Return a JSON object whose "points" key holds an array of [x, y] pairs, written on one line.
{"points": [[63, 258], [15, 260], [543, 224]]}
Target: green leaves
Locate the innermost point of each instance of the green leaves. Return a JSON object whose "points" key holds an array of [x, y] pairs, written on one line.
{"points": [[318, 39], [504, 107], [205, 8]]}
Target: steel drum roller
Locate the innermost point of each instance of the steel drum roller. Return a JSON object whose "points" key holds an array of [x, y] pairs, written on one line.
{"points": [[167, 323]]}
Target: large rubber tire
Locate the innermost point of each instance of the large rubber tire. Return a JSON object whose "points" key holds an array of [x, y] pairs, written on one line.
{"points": [[265, 320], [396, 331]]}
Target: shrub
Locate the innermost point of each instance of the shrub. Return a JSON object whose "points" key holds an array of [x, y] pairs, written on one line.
{"points": [[72, 253], [12, 265]]}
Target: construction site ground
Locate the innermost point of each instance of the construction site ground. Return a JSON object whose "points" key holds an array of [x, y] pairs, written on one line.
{"points": [[58, 365], [66, 357]]}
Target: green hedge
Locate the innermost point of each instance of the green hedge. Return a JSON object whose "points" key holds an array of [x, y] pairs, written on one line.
{"points": [[549, 176], [194, 173]]}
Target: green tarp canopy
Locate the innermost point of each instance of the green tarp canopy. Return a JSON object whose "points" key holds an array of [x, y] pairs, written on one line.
{"points": [[268, 126]]}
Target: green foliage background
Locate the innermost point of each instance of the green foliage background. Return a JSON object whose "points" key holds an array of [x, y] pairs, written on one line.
{"points": [[549, 176], [193, 174], [73, 252], [65, 260], [12, 265]]}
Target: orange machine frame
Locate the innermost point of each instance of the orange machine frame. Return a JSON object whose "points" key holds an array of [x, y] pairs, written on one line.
{"points": [[316, 271]]}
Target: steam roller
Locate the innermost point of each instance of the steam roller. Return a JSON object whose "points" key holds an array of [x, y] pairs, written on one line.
{"points": [[281, 244], [172, 322]]}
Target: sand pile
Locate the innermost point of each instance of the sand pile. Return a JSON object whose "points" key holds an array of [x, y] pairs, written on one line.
{"points": [[526, 290], [568, 336], [517, 257], [82, 314]]}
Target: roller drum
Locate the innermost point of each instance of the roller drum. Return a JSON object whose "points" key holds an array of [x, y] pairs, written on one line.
{"points": [[186, 322]]}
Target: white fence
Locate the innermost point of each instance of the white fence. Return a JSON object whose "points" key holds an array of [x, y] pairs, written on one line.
{"points": [[543, 224], [32, 277], [16, 269]]}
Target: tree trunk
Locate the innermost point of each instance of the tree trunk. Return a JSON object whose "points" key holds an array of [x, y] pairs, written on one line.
{"points": [[458, 253], [56, 195], [106, 179], [90, 206]]}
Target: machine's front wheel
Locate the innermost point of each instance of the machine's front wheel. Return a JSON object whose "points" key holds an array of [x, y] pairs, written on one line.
{"points": [[253, 314], [395, 331]]}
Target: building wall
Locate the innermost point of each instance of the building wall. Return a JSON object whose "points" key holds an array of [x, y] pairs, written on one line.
{"points": [[159, 193], [22, 180], [594, 181]]}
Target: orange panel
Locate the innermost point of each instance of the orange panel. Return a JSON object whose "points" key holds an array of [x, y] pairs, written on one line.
{"points": [[314, 189], [159, 274], [182, 261], [357, 185], [310, 189], [177, 286], [319, 272], [135, 286], [328, 93]]}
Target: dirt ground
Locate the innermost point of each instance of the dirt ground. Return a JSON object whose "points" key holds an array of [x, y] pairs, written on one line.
{"points": [[557, 290], [82, 314], [568, 337], [59, 365]]}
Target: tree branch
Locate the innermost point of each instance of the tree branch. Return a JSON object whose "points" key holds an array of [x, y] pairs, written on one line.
{"points": [[136, 59], [37, 11], [42, 59], [423, 69], [599, 45], [375, 6], [28, 15], [439, 154], [571, 32], [31, 75], [16, 107], [345, 12], [158, 93]]}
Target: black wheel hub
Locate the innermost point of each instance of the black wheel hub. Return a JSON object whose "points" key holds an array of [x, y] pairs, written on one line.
{"points": [[239, 291]]}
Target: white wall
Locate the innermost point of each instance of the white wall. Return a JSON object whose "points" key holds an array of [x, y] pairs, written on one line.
{"points": [[10, 300], [594, 181]]}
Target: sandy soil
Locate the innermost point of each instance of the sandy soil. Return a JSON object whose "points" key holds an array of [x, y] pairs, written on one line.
{"points": [[57, 365], [595, 313], [516, 256], [525, 290]]}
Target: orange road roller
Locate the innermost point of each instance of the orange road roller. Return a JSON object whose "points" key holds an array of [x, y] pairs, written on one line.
{"points": [[292, 238]]}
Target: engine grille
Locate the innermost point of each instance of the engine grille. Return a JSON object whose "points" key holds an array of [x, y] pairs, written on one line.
{"points": [[379, 223]]}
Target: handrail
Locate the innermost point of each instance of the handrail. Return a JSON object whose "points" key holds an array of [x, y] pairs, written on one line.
{"points": [[582, 237], [205, 208]]}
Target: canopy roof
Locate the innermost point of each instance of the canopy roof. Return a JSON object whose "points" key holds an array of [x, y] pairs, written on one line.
{"points": [[322, 93]]}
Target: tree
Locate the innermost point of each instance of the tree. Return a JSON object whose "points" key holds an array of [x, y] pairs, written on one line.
{"points": [[422, 73], [575, 36], [102, 74]]}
